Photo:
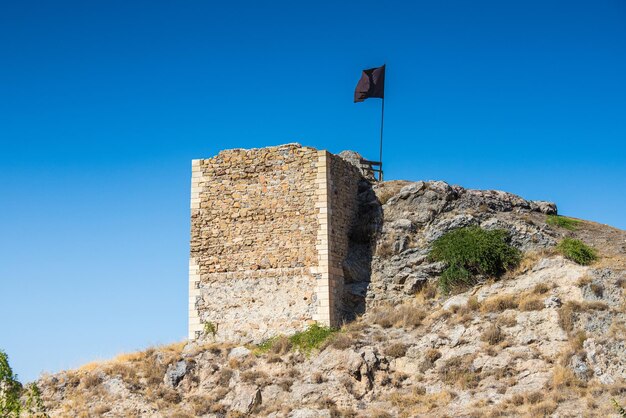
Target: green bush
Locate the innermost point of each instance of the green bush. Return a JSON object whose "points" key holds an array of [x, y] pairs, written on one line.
{"points": [[577, 251], [34, 406], [468, 252], [563, 222], [312, 338], [10, 389], [304, 341]]}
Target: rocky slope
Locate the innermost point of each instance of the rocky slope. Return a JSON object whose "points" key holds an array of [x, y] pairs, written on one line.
{"points": [[548, 339]]}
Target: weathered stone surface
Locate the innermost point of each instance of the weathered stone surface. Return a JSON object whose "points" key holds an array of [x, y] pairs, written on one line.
{"points": [[246, 397], [416, 214], [355, 158], [175, 373], [239, 352], [269, 237]]}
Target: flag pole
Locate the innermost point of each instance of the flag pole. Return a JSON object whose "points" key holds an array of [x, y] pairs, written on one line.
{"points": [[382, 120]]}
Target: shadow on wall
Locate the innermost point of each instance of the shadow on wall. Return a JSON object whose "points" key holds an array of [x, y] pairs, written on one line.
{"points": [[357, 267]]}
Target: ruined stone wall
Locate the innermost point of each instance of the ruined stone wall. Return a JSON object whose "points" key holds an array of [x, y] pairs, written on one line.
{"points": [[253, 233], [343, 185], [268, 233]]}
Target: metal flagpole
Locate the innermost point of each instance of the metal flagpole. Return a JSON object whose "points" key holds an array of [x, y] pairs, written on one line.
{"points": [[382, 120]]}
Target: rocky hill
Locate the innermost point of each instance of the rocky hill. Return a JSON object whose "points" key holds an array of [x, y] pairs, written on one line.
{"points": [[545, 338]]}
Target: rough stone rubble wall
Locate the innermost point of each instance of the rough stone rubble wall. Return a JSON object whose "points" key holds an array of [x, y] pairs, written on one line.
{"points": [[265, 226], [343, 185]]}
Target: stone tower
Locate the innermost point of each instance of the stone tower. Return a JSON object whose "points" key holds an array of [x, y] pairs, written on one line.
{"points": [[269, 234]]}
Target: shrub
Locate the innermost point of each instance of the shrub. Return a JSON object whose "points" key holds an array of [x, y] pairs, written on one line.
{"points": [[280, 345], [492, 335], [210, 328], [563, 222], [256, 377], [499, 303], [10, 389], [577, 251], [541, 288], [567, 313], [430, 357], [312, 338], [473, 304], [406, 316], [341, 341], [468, 252], [460, 372], [33, 405], [531, 303], [396, 350], [305, 341]]}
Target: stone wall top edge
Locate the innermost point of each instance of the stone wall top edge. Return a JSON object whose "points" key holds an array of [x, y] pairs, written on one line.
{"points": [[336, 159], [291, 145]]}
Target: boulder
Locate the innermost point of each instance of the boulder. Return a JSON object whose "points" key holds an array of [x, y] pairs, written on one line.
{"points": [[175, 373]]}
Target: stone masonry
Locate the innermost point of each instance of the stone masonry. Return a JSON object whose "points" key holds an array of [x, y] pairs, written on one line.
{"points": [[269, 234]]}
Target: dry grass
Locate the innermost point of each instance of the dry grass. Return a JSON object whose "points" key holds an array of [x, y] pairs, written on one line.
{"points": [[254, 377], [407, 315], [387, 190], [544, 409], [507, 320], [563, 377], [384, 248], [531, 302], [529, 260], [577, 340], [463, 314], [225, 375], [426, 293], [473, 304], [417, 401], [430, 357], [340, 341], [395, 350], [499, 303], [584, 281], [492, 335], [597, 289], [458, 371], [318, 378], [567, 313], [90, 380], [541, 289]]}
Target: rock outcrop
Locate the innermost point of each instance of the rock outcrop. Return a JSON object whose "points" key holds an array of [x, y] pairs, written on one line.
{"points": [[399, 220]]}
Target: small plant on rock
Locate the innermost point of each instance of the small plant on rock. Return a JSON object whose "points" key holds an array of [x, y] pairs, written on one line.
{"points": [[620, 409], [473, 251], [210, 328], [577, 251]]}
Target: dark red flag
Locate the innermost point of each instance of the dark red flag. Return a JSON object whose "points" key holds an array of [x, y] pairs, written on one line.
{"points": [[371, 84]]}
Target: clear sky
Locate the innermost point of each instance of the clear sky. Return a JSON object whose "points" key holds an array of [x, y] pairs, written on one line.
{"points": [[104, 103]]}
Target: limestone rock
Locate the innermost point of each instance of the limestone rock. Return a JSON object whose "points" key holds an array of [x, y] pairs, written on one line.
{"points": [[175, 373], [238, 352], [246, 398]]}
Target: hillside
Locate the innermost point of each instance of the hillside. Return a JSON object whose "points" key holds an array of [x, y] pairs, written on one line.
{"points": [[547, 337]]}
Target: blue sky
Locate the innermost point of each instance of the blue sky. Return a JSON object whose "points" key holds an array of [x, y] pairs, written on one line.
{"points": [[104, 103]]}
